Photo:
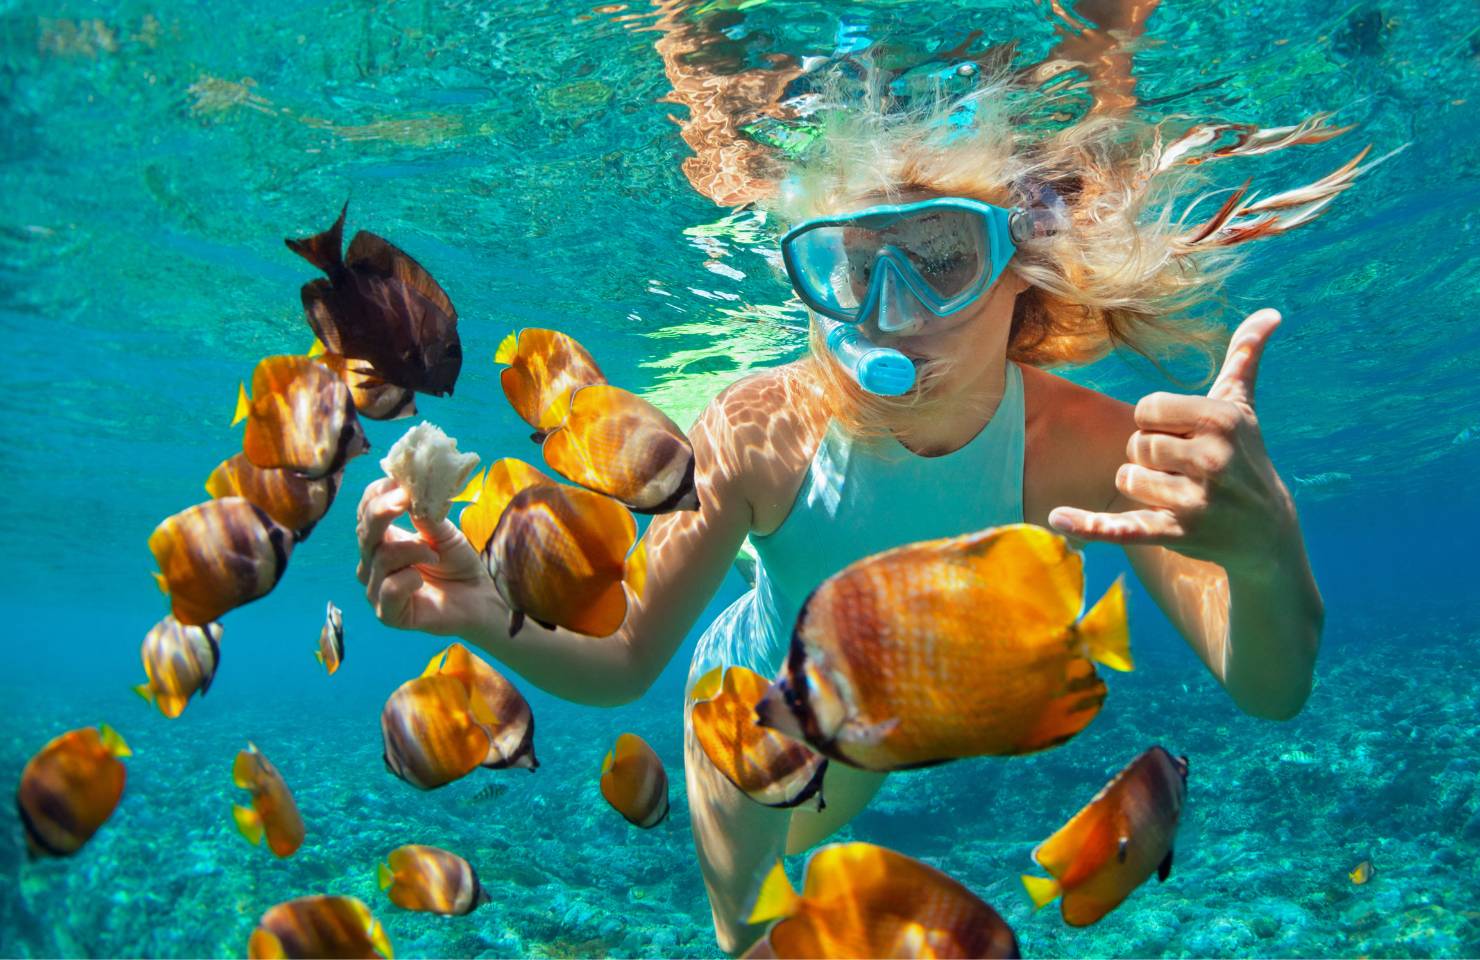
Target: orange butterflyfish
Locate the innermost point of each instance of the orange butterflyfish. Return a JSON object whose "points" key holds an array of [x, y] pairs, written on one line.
{"points": [[381, 307], [488, 493], [273, 813], [69, 789], [319, 927], [544, 367], [1113, 845], [558, 556], [179, 661], [769, 767], [299, 417], [861, 900], [616, 443], [331, 639], [511, 727], [634, 782], [1361, 873], [374, 399], [432, 880], [218, 555], [290, 498], [949, 648]]}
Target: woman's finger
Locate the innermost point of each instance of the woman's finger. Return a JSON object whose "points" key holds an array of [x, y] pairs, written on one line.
{"points": [[394, 557], [372, 490], [393, 602], [1200, 457], [379, 514], [1157, 488], [1169, 412], [1143, 527]]}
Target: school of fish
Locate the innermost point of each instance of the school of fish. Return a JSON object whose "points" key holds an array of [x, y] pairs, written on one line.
{"points": [[928, 653]]}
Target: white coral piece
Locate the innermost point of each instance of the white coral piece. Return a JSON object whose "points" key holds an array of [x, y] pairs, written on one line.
{"points": [[426, 462]]}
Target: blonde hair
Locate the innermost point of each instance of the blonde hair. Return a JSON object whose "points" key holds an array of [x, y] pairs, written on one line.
{"points": [[1124, 271]]}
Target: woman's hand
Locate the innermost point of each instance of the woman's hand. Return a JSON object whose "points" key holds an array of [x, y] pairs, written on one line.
{"points": [[1199, 468], [430, 580]]}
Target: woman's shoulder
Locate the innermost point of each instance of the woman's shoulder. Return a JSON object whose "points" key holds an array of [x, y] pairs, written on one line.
{"points": [[1075, 442]]}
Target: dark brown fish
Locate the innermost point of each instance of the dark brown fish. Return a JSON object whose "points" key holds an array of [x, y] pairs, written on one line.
{"points": [[330, 927], [1116, 842], [300, 417], [290, 498], [218, 555], [69, 789], [381, 307], [179, 661], [432, 880]]}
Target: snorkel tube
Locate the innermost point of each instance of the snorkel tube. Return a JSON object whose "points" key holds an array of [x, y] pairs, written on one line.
{"points": [[882, 371]]}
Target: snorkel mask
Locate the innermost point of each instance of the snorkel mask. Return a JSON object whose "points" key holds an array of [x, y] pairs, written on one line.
{"points": [[905, 268]]}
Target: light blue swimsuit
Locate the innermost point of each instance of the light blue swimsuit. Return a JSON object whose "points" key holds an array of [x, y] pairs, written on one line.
{"points": [[859, 498]]}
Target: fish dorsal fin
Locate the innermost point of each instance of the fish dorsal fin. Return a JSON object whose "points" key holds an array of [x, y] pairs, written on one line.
{"points": [[1034, 569], [113, 742], [777, 898], [243, 405], [508, 349], [244, 770], [1104, 631], [709, 685]]}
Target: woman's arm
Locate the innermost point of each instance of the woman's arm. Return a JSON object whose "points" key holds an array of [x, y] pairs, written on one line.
{"points": [[1213, 534], [433, 581]]}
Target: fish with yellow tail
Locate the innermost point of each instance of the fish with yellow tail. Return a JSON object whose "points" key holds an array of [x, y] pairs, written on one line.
{"points": [[1112, 846], [431, 880], [616, 443], [319, 927], [949, 648], [331, 639], [767, 766], [511, 733], [291, 499], [300, 417], [70, 788], [488, 493], [1361, 873], [861, 900], [179, 662], [634, 782], [374, 399], [381, 308], [558, 556], [273, 813], [218, 555], [543, 368]]}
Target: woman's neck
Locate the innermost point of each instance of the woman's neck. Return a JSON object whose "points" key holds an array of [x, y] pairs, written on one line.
{"points": [[963, 396]]}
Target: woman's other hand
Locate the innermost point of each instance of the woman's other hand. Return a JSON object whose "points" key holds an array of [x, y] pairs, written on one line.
{"points": [[1198, 467], [430, 580]]}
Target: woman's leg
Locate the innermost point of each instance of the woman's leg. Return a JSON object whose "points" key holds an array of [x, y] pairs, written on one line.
{"points": [[847, 790], [738, 841]]}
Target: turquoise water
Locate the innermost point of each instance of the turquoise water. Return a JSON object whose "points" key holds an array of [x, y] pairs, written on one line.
{"points": [[151, 160]]}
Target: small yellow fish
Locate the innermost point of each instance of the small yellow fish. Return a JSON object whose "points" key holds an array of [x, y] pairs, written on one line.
{"points": [[179, 661], [290, 498], [545, 366], [766, 766], [1361, 873], [69, 789], [634, 782], [218, 555], [319, 927], [558, 556], [331, 640], [949, 648], [273, 812], [1116, 842], [616, 443], [861, 900], [432, 880], [300, 417]]}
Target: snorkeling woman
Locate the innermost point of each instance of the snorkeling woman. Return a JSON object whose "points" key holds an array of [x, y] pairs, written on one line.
{"points": [[969, 254]]}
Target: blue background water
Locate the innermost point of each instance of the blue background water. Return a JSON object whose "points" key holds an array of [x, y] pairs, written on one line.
{"points": [[153, 156]]}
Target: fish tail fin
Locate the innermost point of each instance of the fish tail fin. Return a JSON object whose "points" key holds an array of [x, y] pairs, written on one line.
{"points": [[634, 570], [384, 876], [145, 691], [1042, 890], [508, 349], [1105, 632], [380, 941], [474, 487], [317, 349], [161, 583], [319, 656], [248, 823], [777, 897], [265, 944], [243, 404], [708, 686], [611, 758], [113, 742], [323, 250]]}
